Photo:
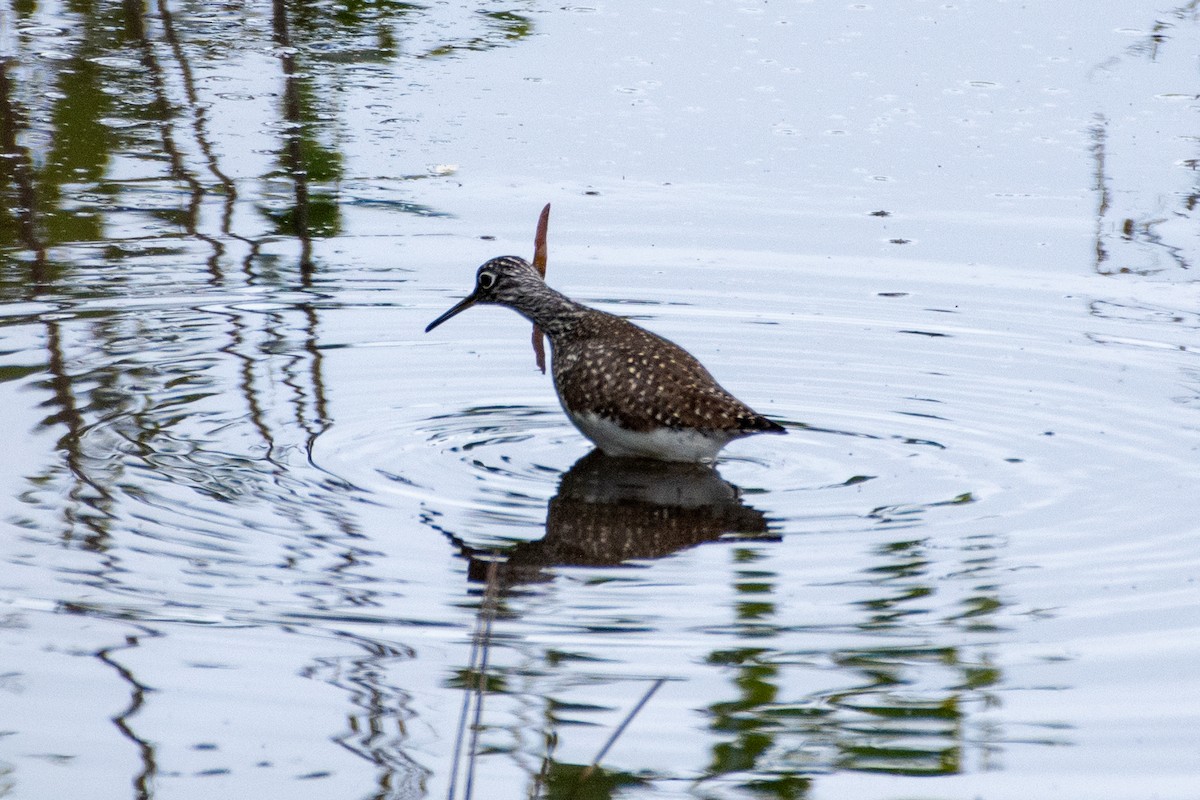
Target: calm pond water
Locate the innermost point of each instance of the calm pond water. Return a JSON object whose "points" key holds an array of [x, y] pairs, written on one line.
{"points": [[265, 538]]}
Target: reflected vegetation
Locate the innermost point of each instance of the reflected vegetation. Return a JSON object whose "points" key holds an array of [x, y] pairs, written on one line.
{"points": [[908, 713], [106, 131], [118, 184], [143, 780], [607, 512], [379, 715], [1147, 201], [106, 124], [908, 706]]}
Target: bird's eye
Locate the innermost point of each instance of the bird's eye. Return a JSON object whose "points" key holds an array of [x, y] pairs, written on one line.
{"points": [[487, 280]]}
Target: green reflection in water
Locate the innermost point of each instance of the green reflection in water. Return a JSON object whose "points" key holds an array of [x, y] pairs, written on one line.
{"points": [[80, 149], [753, 731], [109, 136], [501, 28], [350, 31], [908, 715], [580, 782]]}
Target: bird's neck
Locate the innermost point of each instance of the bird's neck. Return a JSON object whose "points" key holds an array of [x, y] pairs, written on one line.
{"points": [[551, 311]]}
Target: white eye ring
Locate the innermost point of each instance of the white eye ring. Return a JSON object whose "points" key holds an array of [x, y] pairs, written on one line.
{"points": [[487, 280]]}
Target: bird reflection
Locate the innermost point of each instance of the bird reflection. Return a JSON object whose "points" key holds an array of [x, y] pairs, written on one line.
{"points": [[611, 510]]}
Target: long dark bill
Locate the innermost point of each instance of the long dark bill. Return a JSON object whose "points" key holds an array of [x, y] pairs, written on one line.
{"points": [[460, 307]]}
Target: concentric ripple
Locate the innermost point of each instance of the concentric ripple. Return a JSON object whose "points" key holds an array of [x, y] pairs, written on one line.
{"points": [[500, 457], [958, 447], [903, 395]]}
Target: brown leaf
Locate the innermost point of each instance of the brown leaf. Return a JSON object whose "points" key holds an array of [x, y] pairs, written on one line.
{"points": [[540, 254], [539, 241]]}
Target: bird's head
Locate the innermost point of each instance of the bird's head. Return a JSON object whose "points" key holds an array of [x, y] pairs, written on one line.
{"points": [[501, 281]]}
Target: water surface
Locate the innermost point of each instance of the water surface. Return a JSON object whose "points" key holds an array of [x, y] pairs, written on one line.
{"points": [[264, 537]]}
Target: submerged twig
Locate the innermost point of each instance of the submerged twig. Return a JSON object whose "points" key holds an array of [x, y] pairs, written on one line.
{"points": [[480, 643], [616, 734]]}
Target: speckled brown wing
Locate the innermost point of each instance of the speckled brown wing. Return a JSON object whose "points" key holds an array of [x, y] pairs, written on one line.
{"points": [[641, 381]]}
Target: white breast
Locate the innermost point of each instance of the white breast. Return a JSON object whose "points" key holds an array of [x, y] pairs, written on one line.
{"points": [[664, 444]]}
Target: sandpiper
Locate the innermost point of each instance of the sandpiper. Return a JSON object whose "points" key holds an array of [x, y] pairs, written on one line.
{"points": [[630, 391]]}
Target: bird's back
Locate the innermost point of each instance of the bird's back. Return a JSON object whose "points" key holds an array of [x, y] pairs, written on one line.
{"points": [[608, 366]]}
